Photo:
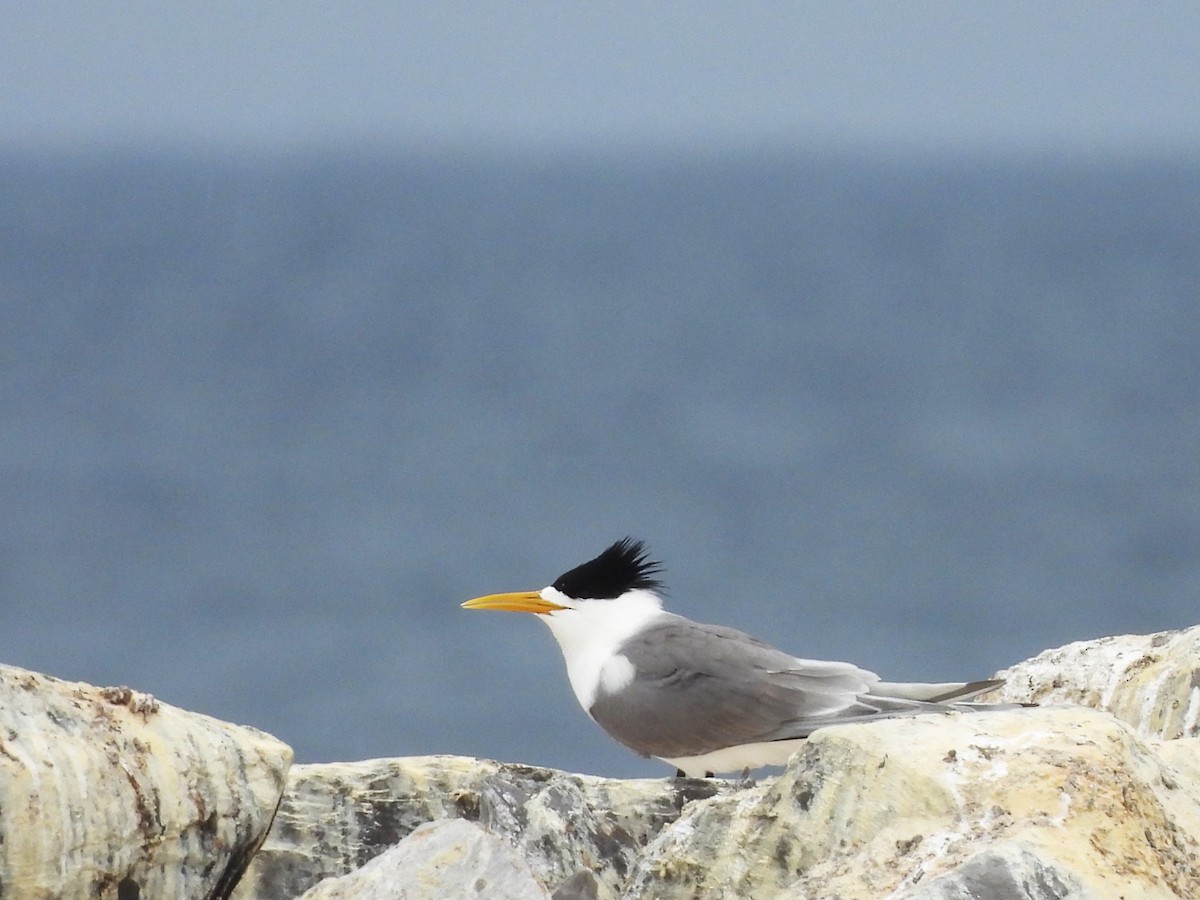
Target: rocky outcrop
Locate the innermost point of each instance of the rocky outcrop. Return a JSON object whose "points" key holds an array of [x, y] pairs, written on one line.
{"points": [[336, 816], [1024, 803], [1094, 793], [1056, 801], [107, 793], [1151, 681]]}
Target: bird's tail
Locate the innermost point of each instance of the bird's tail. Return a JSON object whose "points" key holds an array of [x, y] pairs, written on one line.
{"points": [[946, 692]]}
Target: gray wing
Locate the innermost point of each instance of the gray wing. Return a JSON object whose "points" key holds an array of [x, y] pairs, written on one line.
{"points": [[698, 688]]}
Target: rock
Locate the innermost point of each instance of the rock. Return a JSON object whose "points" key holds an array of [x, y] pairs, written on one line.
{"points": [[439, 860], [334, 817], [1003, 872], [583, 885], [1151, 681], [1054, 801], [107, 793], [1065, 799]]}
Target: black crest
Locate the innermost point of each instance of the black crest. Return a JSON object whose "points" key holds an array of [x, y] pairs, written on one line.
{"points": [[622, 567]]}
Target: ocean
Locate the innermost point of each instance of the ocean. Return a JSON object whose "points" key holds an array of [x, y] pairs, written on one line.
{"points": [[266, 422]]}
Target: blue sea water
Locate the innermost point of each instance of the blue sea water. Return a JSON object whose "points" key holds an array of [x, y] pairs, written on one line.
{"points": [[265, 423]]}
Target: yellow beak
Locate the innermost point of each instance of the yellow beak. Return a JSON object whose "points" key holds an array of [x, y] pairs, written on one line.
{"points": [[522, 601]]}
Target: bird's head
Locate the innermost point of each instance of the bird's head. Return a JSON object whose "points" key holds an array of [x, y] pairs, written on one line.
{"points": [[621, 570]]}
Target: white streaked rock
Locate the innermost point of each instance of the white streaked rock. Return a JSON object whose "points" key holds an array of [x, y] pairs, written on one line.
{"points": [[336, 816], [885, 809], [107, 793], [1054, 801], [1151, 681]]}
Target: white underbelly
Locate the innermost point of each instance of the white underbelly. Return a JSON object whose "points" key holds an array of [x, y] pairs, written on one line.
{"points": [[736, 759]]}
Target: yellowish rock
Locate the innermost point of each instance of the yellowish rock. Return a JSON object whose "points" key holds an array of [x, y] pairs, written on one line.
{"points": [[1151, 681], [107, 793], [869, 811]]}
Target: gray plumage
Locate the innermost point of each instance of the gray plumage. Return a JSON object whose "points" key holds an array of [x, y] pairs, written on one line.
{"points": [[699, 688]]}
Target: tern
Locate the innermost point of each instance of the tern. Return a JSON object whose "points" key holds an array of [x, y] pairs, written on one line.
{"points": [[702, 698]]}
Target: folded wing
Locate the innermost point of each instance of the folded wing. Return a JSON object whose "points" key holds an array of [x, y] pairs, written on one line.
{"points": [[698, 688]]}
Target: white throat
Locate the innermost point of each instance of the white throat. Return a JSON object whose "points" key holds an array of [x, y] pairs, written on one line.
{"points": [[590, 633]]}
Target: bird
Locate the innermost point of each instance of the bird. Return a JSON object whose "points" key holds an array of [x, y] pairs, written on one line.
{"points": [[702, 698]]}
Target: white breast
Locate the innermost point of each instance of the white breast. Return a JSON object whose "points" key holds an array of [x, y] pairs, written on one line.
{"points": [[590, 634]]}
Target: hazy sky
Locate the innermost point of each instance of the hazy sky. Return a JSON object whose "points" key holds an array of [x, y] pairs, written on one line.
{"points": [[1090, 76]]}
